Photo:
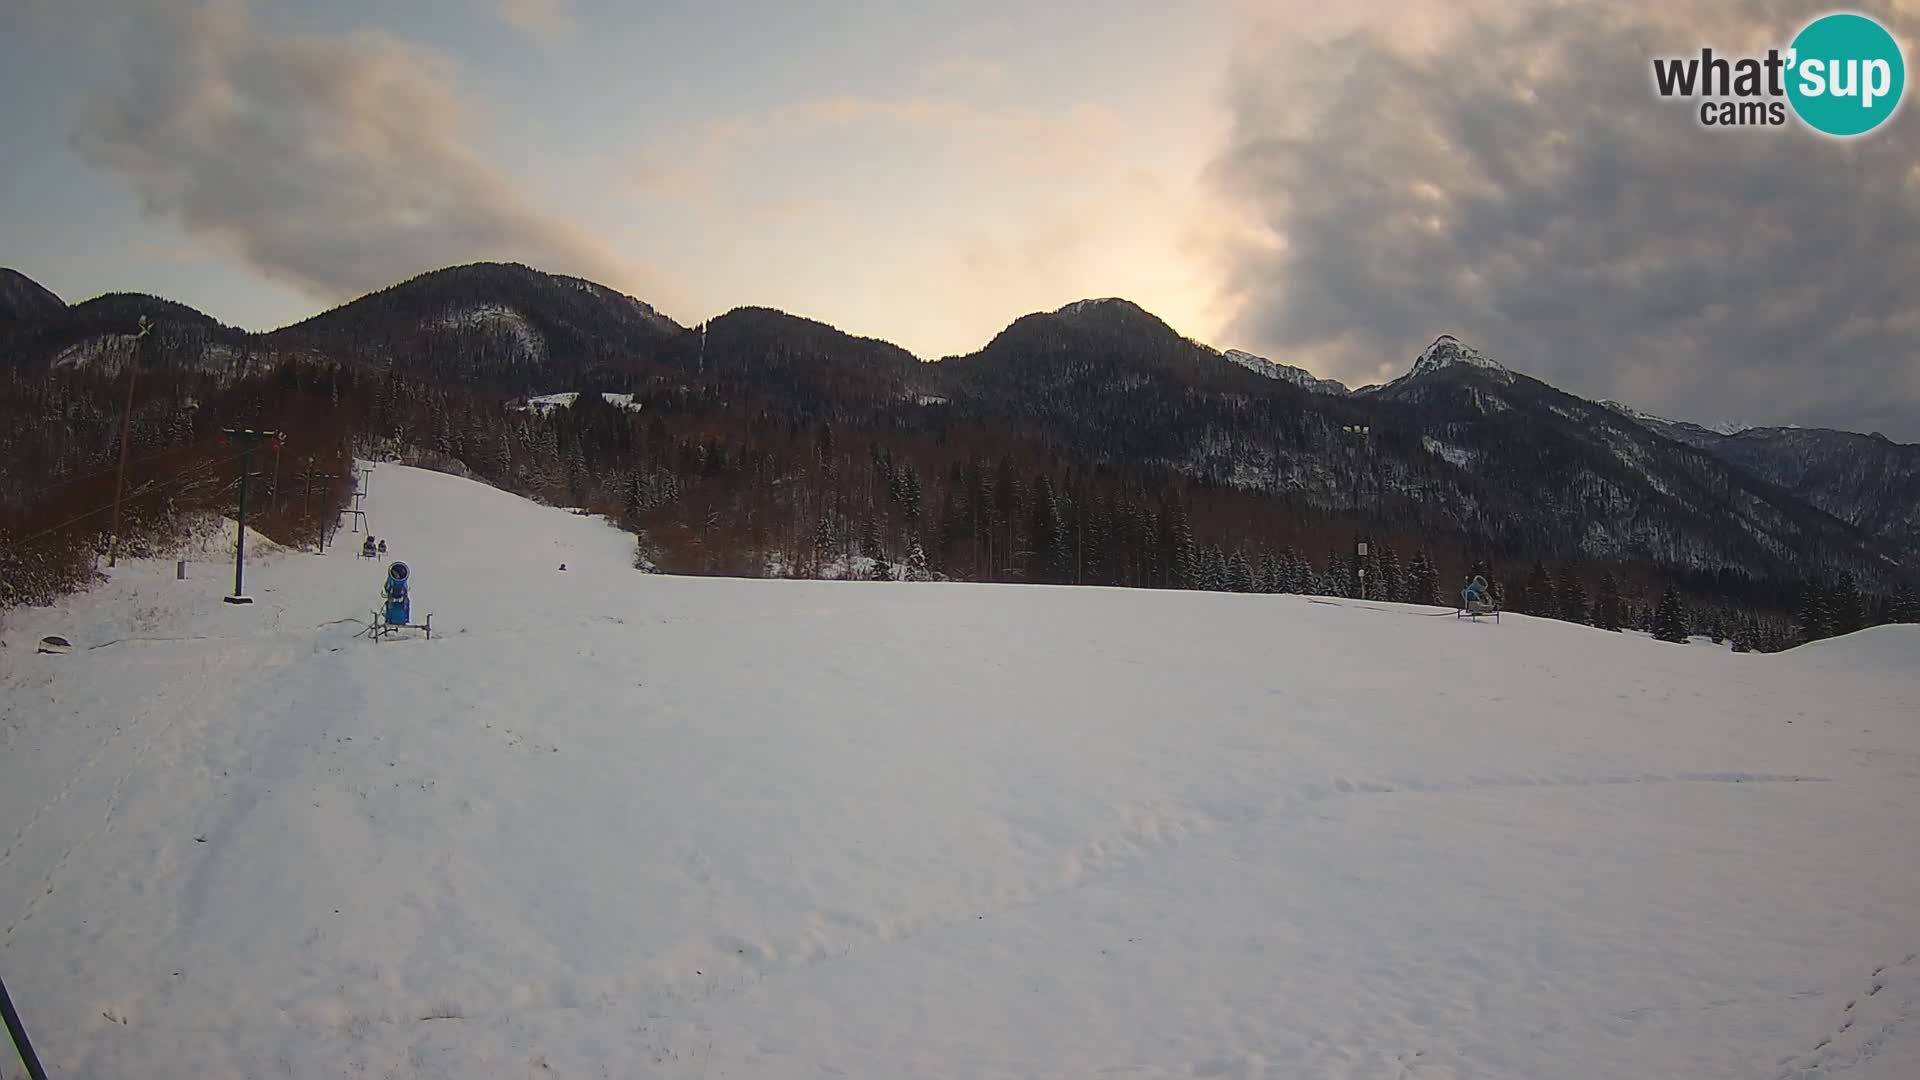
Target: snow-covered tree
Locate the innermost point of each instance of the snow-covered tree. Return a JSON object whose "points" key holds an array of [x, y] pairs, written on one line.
{"points": [[1387, 574], [1670, 618], [1422, 585], [1240, 573]]}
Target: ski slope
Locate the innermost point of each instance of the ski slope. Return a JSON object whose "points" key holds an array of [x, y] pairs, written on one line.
{"points": [[616, 824]]}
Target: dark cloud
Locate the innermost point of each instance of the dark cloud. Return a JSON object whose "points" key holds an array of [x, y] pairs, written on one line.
{"points": [[336, 163], [1523, 188]]}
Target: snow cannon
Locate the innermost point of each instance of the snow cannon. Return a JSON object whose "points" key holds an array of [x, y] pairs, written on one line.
{"points": [[399, 607]]}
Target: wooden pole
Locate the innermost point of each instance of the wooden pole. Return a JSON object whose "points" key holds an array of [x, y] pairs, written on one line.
{"points": [[19, 1032]]}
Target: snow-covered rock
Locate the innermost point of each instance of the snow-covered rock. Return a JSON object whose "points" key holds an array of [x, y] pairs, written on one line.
{"points": [[546, 403], [1300, 377], [1447, 351], [532, 344]]}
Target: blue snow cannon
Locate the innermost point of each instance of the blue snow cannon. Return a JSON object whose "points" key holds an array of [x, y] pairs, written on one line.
{"points": [[399, 607]]}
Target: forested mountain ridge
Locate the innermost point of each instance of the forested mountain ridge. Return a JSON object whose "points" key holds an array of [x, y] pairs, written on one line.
{"points": [[1866, 480], [1460, 445], [1088, 443]]}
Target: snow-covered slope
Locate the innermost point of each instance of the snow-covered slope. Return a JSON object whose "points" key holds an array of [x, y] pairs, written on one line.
{"points": [[1300, 377], [617, 824], [1447, 351]]}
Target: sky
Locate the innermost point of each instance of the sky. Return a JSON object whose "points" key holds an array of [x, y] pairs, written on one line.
{"points": [[1331, 186]]}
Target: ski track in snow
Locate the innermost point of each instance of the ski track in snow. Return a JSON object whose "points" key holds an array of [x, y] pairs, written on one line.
{"points": [[614, 824]]}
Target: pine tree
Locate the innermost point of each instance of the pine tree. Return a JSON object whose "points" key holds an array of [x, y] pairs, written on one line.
{"points": [[1670, 618], [632, 500], [1810, 613], [882, 569], [1296, 574], [1569, 594], [1240, 573], [1423, 580], [1387, 570], [1904, 607], [917, 562], [908, 483], [1572, 598], [1536, 597], [823, 538], [1608, 613], [1844, 606], [955, 522], [1174, 552], [1339, 575], [1271, 579], [1214, 572], [1045, 534]]}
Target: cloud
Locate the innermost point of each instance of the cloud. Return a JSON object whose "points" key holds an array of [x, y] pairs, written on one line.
{"points": [[544, 18], [337, 164], [1511, 178]]}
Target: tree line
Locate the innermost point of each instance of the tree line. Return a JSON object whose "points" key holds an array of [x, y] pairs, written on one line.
{"points": [[709, 489]]}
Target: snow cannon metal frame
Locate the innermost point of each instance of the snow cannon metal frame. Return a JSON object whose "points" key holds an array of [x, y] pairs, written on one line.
{"points": [[396, 613], [1481, 609]]}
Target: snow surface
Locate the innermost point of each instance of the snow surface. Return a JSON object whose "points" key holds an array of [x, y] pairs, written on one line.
{"points": [[1300, 377], [109, 351], [609, 823]]}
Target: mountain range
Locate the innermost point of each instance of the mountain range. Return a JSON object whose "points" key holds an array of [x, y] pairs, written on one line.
{"points": [[1460, 446]]}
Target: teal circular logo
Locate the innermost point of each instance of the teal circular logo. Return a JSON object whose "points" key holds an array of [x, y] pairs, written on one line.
{"points": [[1846, 74]]}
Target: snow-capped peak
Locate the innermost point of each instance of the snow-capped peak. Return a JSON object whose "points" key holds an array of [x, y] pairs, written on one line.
{"points": [[1081, 307], [1447, 351], [1300, 377]]}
